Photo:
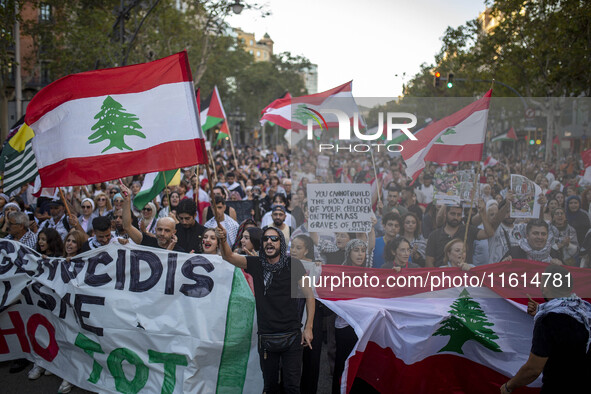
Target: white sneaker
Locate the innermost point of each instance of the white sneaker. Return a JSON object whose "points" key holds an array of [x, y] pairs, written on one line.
{"points": [[36, 372], [65, 387]]}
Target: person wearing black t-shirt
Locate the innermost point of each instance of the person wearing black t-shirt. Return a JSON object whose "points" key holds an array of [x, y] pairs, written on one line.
{"points": [[561, 343], [275, 277], [188, 231], [165, 228]]}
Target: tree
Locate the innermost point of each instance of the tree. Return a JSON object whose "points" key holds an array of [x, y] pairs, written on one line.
{"points": [[113, 125], [467, 322]]}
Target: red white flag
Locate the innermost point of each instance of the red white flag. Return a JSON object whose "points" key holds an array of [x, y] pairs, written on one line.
{"points": [[457, 137], [284, 112], [586, 156], [106, 124], [467, 339], [490, 162]]}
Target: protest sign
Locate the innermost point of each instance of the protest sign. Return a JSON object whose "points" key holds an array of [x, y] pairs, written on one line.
{"points": [[130, 319], [339, 207], [446, 186], [526, 197]]}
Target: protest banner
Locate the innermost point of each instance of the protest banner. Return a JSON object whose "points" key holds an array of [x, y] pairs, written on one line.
{"points": [[339, 207], [130, 319], [526, 198]]}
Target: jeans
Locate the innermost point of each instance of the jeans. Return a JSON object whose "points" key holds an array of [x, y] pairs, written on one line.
{"points": [[288, 362]]}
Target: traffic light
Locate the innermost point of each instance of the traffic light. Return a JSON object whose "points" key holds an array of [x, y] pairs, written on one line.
{"points": [[437, 79], [450, 80]]}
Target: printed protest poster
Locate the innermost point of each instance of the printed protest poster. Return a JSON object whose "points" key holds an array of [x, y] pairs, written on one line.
{"points": [[447, 188], [526, 197], [339, 207], [131, 319]]}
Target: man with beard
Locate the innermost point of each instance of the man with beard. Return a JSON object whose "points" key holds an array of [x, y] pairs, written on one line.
{"points": [[454, 228], [188, 231], [230, 224], [165, 228], [278, 215], [118, 232], [507, 235], [276, 278]]}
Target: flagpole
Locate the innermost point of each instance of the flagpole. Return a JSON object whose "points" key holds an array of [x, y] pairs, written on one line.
{"points": [[215, 171], [211, 195], [166, 191], [233, 151], [64, 201], [375, 173], [476, 176]]}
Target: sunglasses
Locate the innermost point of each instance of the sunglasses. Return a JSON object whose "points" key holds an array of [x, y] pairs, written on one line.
{"points": [[273, 238], [147, 209], [118, 201], [102, 199], [86, 207]]}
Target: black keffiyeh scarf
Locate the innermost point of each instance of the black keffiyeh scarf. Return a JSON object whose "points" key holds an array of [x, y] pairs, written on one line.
{"points": [[270, 269]]}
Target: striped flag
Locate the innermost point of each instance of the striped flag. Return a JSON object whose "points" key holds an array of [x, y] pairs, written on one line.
{"points": [[106, 124], [457, 137], [17, 161], [508, 136], [154, 183]]}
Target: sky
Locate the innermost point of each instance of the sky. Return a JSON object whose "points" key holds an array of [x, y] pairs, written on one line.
{"points": [[372, 42]]}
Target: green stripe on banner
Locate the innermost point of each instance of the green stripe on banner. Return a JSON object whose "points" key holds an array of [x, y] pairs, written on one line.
{"points": [[236, 352]]}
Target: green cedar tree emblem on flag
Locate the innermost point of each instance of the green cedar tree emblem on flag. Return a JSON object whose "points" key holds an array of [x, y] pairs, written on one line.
{"points": [[467, 322], [302, 113], [447, 132], [114, 124]]}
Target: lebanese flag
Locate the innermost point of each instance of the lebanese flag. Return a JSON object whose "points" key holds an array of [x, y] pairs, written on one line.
{"points": [[106, 124], [285, 95], [508, 136], [449, 340], [281, 112], [490, 162], [457, 137]]}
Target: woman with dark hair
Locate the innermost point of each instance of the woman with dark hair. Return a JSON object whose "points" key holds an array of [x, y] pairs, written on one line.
{"points": [[49, 243], [243, 226], [397, 253], [251, 241], [302, 247], [577, 218], [551, 205], [356, 253], [411, 231], [73, 244]]}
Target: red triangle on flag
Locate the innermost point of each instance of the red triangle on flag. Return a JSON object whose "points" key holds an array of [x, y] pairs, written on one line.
{"points": [[511, 134]]}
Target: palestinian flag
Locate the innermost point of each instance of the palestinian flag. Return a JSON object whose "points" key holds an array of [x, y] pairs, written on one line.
{"points": [[107, 124], [153, 185], [17, 160], [457, 137], [465, 339], [508, 136], [212, 114]]}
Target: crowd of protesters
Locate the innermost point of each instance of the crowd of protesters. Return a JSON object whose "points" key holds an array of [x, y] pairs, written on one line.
{"points": [[261, 190]]}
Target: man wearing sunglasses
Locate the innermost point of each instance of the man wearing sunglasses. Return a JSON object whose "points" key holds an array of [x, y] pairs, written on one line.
{"points": [[276, 278]]}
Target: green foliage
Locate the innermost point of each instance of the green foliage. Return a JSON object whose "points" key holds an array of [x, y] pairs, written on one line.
{"points": [[541, 48], [8, 17]]}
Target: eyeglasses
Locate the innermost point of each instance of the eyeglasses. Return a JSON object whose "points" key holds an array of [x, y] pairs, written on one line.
{"points": [[147, 209], [86, 206], [273, 238]]}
